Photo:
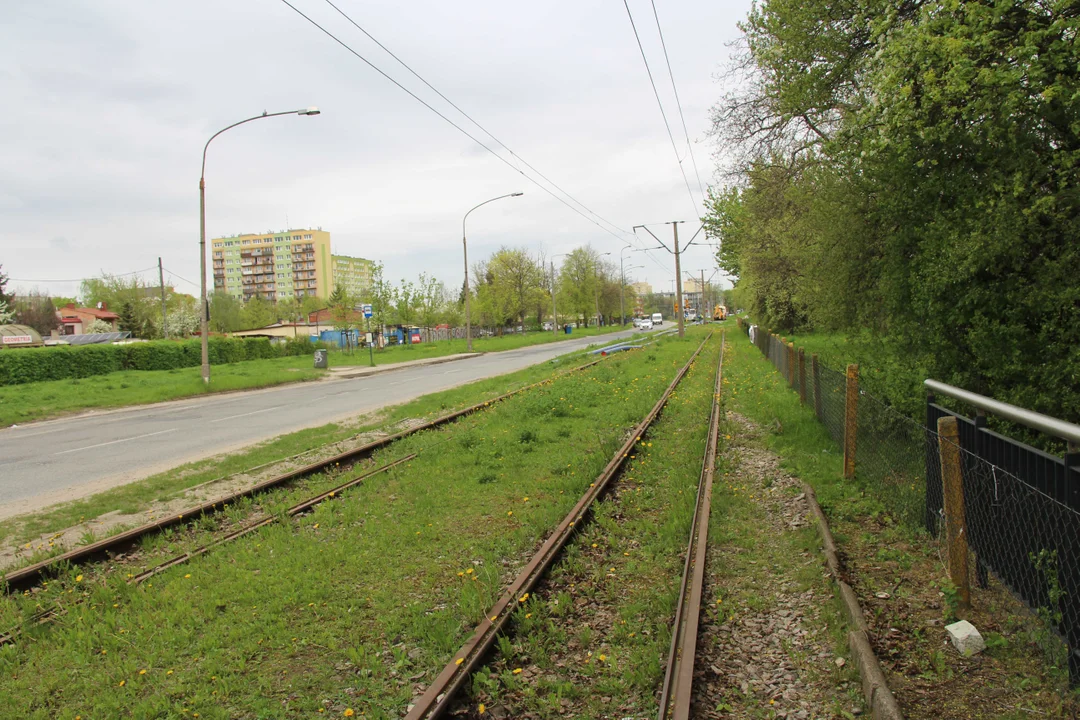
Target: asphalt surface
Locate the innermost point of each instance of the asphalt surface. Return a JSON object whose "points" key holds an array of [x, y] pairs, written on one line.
{"points": [[53, 461]]}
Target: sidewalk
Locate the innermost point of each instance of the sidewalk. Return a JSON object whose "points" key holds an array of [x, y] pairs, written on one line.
{"points": [[341, 373]]}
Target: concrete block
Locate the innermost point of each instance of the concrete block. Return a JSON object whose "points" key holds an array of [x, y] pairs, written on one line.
{"points": [[965, 638]]}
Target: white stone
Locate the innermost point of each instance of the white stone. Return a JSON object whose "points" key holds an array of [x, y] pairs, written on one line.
{"points": [[965, 638]]}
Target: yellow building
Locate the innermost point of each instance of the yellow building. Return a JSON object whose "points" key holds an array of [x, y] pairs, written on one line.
{"points": [[282, 264], [353, 273], [641, 289]]}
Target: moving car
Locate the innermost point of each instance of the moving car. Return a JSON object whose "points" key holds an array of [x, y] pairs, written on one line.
{"points": [[657, 319]]}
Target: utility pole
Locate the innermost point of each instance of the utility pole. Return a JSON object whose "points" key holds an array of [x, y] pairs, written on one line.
{"points": [[161, 282], [678, 278], [701, 299]]}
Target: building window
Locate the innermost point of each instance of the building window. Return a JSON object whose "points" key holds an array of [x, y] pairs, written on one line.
{"points": [[307, 237], [217, 244]]}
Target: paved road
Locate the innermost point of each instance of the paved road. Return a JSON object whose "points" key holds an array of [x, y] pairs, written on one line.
{"points": [[58, 460]]}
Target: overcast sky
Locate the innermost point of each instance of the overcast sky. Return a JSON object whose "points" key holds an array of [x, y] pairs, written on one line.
{"points": [[107, 106]]}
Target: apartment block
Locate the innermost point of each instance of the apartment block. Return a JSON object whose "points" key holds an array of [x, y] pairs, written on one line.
{"points": [[353, 273]]}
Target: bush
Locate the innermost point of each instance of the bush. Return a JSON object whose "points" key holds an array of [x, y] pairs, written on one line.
{"points": [[27, 365]]}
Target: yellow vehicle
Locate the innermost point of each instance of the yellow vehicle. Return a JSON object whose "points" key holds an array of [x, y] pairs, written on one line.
{"points": [[719, 313]]}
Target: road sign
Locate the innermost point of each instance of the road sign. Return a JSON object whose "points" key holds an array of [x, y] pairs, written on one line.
{"points": [[367, 311]]}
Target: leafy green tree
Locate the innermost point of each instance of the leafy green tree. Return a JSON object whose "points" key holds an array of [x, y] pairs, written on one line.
{"points": [[226, 313], [257, 313], [578, 283]]}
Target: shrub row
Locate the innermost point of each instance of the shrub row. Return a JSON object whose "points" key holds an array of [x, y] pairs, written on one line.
{"points": [[26, 365]]}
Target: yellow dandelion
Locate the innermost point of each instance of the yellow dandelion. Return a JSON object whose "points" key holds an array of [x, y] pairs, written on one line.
{"points": [[603, 658], [459, 661], [123, 683], [187, 576], [78, 578], [142, 672], [348, 712], [510, 513], [482, 709], [517, 671]]}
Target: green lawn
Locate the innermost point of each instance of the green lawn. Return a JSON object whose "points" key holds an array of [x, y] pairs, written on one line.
{"points": [[350, 607], [42, 400]]}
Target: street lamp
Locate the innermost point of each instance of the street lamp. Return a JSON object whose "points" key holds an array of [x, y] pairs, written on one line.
{"points": [[202, 229], [465, 250]]}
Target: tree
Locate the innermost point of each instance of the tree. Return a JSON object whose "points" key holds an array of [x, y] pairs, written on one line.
{"points": [[405, 302], [431, 295], [226, 313], [258, 312], [380, 296], [98, 326], [516, 281], [4, 296], [36, 310], [578, 283]]}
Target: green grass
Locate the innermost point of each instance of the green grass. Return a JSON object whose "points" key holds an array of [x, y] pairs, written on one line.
{"points": [[352, 605], [42, 400]]}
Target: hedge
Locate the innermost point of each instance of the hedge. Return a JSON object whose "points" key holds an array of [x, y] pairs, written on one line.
{"points": [[25, 365]]}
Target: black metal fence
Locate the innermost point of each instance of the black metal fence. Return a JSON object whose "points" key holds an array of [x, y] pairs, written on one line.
{"points": [[1022, 505]]}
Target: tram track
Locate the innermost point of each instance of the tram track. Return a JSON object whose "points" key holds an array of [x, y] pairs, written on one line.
{"points": [[441, 694]]}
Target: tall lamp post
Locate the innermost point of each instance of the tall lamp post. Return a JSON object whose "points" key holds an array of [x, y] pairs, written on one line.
{"points": [[622, 290], [465, 250], [202, 230]]}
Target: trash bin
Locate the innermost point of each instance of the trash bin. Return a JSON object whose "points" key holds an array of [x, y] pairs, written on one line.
{"points": [[568, 329], [320, 359]]}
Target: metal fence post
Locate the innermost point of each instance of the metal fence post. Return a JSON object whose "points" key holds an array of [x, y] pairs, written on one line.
{"points": [[952, 479], [930, 431], [982, 575], [815, 370], [851, 423], [791, 364], [802, 376]]}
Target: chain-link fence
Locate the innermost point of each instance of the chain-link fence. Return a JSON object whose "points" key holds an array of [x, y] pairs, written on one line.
{"points": [[1017, 507]]}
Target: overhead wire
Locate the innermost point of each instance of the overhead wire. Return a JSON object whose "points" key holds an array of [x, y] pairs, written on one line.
{"points": [[460, 129], [663, 113], [678, 102], [124, 274]]}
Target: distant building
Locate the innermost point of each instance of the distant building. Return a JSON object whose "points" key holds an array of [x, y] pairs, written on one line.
{"points": [[283, 264], [75, 320], [353, 273], [641, 289]]}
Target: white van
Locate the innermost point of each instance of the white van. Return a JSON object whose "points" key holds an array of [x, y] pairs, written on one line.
{"points": [[657, 319]]}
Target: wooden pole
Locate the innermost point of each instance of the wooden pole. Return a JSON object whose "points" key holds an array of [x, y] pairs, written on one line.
{"points": [[851, 410], [802, 376], [791, 364], [952, 480]]}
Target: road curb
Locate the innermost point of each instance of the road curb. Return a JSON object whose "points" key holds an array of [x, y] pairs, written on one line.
{"points": [[379, 369], [879, 697]]}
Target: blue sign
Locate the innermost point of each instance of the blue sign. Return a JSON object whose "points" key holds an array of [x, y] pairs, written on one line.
{"points": [[367, 311]]}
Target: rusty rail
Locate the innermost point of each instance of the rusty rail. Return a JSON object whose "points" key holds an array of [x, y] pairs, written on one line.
{"points": [[43, 617], [438, 696], [31, 575], [677, 689]]}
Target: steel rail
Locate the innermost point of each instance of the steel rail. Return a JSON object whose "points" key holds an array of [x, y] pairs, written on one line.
{"points": [[47, 615], [438, 696], [677, 689], [31, 575], [1038, 421]]}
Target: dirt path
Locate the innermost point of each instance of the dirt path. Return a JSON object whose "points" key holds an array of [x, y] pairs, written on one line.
{"points": [[770, 645]]}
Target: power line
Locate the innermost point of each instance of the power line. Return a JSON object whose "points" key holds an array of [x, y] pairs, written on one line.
{"points": [[678, 102], [460, 129], [180, 277], [471, 119], [133, 272], [663, 114]]}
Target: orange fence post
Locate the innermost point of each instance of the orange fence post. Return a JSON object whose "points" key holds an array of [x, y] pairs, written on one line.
{"points": [[851, 410]]}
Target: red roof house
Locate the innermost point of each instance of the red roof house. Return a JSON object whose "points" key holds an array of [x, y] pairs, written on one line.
{"points": [[75, 320]]}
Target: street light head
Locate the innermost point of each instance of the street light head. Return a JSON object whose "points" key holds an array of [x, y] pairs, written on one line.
{"points": [[309, 111], [516, 194]]}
